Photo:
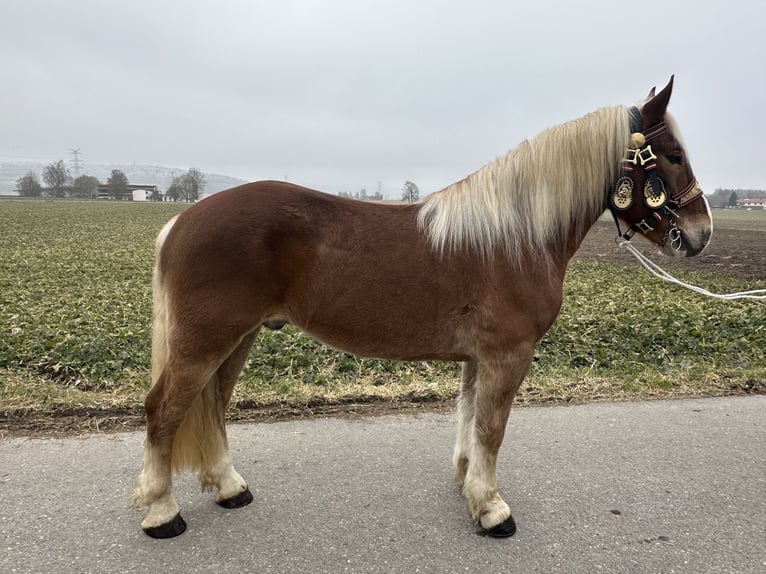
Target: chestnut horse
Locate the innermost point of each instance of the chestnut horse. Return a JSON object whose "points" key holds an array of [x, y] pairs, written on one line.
{"points": [[474, 274]]}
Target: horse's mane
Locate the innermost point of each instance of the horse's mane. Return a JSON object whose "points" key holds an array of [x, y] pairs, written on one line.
{"points": [[535, 194]]}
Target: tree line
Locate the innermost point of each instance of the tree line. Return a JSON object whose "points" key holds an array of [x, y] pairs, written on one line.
{"points": [[410, 194], [377, 196], [59, 183], [187, 186], [729, 197]]}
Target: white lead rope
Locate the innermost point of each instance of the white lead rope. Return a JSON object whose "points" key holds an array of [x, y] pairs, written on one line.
{"points": [[659, 272]]}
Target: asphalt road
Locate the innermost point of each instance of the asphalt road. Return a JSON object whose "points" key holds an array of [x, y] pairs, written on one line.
{"points": [[676, 486]]}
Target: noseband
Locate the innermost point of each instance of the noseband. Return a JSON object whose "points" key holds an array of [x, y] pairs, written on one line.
{"points": [[639, 155]]}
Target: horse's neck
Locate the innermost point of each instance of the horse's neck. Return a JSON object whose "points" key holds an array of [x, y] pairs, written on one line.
{"points": [[577, 235], [589, 202], [543, 195]]}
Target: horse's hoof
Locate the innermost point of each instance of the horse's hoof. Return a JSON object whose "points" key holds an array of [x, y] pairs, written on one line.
{"points": [[505, 529], [237, 501], [167, 530]]}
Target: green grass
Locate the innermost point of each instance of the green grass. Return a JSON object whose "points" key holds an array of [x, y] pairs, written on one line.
{"points": [[740, 218], [75, 308], [75, 294]]}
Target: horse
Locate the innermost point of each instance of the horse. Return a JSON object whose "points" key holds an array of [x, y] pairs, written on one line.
{"points": [[474, 273]]}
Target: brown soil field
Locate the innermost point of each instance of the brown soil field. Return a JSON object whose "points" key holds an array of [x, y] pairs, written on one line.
{"points": [[737, 249]]}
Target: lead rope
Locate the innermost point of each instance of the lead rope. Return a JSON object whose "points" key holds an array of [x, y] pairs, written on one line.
{"points": [[660, 273]]}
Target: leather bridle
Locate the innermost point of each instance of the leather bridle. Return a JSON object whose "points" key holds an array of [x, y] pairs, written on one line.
{"points": [[639, 156]]}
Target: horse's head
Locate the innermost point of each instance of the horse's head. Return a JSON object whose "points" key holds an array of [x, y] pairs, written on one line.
{"points": [[658, 194]]}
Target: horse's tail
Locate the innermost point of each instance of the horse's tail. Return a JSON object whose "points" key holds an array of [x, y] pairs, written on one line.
{"points": [[160, 311], [198, 440]]}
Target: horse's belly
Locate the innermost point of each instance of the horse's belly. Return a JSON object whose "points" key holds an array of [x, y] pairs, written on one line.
{"points": [[390, 336]]}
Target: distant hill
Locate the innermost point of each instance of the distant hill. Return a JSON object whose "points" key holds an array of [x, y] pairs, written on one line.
{"points": [[162, 177]]}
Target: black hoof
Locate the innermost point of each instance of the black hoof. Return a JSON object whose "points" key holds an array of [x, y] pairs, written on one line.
{"points": [[238, 501], [167, 530], [505, 529]]}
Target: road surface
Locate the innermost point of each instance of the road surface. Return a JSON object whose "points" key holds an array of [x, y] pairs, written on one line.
{"points": [[667, 486]]}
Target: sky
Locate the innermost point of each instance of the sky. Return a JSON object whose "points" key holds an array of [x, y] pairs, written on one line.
{"points": [[342, 95]]}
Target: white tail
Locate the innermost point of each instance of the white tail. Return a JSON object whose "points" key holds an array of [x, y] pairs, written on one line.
{"points": [[160, 314], [199, 441]]}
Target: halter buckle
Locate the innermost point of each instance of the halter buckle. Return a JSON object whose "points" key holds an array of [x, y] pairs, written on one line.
{"points": [[645, 155], [639, 156], [631, 156], [643, 226]]}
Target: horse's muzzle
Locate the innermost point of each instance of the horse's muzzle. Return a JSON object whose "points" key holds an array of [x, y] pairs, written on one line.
{"points": [[692, 245]]}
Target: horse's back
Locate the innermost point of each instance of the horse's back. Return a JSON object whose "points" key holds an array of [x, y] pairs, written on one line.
{"points": [[274, 208], [358, 275]]}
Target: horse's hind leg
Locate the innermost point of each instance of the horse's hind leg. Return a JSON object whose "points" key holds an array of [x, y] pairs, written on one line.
{"points": [[167, 404], [184, 416], [498, 381], [466, 408], [185, 428], [218, 471]]}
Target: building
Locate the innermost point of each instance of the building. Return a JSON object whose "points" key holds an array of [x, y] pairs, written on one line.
{"points": [[135, 192], [752, 203]]}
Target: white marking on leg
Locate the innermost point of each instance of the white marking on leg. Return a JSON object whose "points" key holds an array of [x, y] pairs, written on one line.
{"points": [[153, 489], [466, 412], [496, 512], [464, 441], [161, 512], [224, 478], [485, 505], [155, 481], [230, 485]]}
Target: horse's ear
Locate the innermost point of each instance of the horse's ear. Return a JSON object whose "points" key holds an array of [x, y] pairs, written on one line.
{"points": [[654, 109], [651, 92]]}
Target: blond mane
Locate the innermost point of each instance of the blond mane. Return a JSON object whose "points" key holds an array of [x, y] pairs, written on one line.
{"points": [[535, 194]]}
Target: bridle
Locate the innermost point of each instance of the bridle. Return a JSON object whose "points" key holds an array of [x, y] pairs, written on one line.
{"points": [[639, 155]]}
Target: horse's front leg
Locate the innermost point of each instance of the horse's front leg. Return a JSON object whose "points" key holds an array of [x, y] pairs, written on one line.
{"points": [[466, 406], [498, 381]]}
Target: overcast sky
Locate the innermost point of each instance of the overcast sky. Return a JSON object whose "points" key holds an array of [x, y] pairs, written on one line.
{"points": [[343, 94]]}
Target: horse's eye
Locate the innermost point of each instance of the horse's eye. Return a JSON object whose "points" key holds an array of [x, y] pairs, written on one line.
{"points": [[675, 157]]}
